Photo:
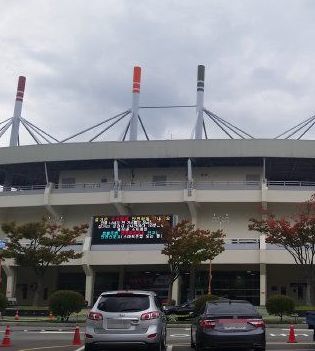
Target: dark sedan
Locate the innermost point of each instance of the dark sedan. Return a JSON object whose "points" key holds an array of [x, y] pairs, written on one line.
{"points": [[185, 308], [228, 324]]}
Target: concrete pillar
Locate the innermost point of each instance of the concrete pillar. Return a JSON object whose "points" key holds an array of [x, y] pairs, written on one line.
{"points": [[176, 290], [89, 284], [11, 280], [263, 285]]}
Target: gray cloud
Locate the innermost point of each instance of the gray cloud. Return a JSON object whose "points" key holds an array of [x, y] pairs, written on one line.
{"points": [[79, 59]]}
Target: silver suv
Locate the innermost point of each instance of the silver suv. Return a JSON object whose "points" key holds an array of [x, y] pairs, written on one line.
{"points": [[126, 318]]}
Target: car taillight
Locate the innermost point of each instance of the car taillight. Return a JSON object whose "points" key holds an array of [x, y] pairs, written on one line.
{"points": [[95, 316], [207, 324], [150, 315], [258, 323]]}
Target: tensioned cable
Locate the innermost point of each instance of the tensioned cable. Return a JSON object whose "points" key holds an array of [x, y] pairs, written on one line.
{"points": [[219, 125], [168, 106], [229, 127], [145, 132], [204, 128], [36, 131], [5, 128], [112, 124], [306, 131], [5, 120], [228, 124], [298, 129], [30, 132], [289, 130], [126, 131], [96, 125], [34, 126]]}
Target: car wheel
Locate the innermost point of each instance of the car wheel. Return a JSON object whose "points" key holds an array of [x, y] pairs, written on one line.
{"points": [[89, 347], [260, 349], [192, 344], [164, 341], [156, 347]]}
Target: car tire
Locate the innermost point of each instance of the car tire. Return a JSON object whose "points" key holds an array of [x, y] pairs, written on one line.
{"points": [[89, 347], [192, 344], [164, 341], [260, 349], [156, 347]]}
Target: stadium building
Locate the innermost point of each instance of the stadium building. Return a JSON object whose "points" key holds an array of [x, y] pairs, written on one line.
{"points": [[214, 183]]}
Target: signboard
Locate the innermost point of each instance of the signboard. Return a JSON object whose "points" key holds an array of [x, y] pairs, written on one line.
{"points": [[140, 229], [2, 244]]}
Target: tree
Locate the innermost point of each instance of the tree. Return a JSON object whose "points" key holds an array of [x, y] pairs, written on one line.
{"points": [[40, 244], [296, 234], [187, 247], [65, 302], [280, 305]]}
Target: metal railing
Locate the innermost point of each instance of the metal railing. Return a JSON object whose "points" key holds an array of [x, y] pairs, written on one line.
{"points": [[157, 186]]}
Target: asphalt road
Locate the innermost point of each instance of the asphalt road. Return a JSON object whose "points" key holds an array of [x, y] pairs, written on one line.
{"points": [[60, 339]]}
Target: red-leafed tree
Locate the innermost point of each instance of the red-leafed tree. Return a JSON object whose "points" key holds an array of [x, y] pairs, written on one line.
{"points": [[186, 246], [296, 234]]}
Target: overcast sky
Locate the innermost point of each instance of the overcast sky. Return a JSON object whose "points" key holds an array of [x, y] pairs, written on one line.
{"points": [[78, 57]]}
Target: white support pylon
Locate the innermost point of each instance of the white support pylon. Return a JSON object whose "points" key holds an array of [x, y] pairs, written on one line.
{"points": [[200, 99], [17, 112], [133, 134]]}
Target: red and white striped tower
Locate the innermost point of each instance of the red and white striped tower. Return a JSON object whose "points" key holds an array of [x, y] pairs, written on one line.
{"points": [[133, 134], [200, 98], [17, 112]]}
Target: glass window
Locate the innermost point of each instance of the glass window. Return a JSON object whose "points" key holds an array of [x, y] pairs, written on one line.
{"points": [[124, 303], [231, 309]]}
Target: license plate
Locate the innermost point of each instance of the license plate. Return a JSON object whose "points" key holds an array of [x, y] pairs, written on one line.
{"points": [[118, 324], [234, 327]]}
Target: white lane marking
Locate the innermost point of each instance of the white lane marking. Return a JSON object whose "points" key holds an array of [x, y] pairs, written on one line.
{"points": [[47, 347], [168, 348], [187, 329], [80, 348], [307, 330], [179, 335], [283, 334]]}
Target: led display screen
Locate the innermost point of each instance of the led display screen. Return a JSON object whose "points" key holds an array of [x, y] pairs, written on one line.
{"points": [[140, 229]]}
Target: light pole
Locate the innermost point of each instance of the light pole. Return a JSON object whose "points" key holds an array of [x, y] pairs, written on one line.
{"points": [[216, 219]]}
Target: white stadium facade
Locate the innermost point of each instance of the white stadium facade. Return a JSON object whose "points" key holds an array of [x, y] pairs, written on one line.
{"points": [[214, 183]]}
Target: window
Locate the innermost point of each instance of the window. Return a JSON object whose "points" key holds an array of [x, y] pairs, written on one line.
{"points": [[124, 303], [159, 180]]}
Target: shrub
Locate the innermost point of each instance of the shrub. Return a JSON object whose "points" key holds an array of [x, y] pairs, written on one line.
{"points": [[280, 305], [200, 302], [65, 302], [3, 302]]}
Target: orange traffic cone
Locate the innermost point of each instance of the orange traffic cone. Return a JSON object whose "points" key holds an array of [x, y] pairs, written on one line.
{"points": [[76, 336], [292, 339], [6, 339], [17, 317]]}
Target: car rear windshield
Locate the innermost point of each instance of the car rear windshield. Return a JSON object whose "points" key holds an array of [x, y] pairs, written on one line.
{"points": [[231, 309], [124, 303]]}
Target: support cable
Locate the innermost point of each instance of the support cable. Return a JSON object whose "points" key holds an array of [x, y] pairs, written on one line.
{"points": [[229, 125], [126, 131], [169, 106], [145, 132], [5, 120], [205, 130], [30, 132], [230, 128], [34, 126], [306, 131], [298, 129], [289, 130], [112, 124], [218, 124], [96, 125], [5, 128], [36, 131]]}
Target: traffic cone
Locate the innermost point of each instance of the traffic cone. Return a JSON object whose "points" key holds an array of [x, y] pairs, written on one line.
{"points": [[17, 317], [292, 339], [76, 336], [6, 339]]}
